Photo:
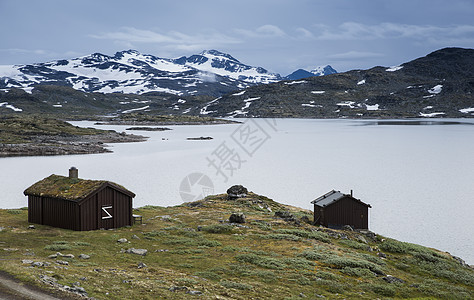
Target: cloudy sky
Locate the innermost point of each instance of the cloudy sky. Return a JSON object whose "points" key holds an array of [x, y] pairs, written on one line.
{"points": [[279, 35]]}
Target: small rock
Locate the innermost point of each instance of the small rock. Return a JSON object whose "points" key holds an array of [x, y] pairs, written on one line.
{"points": [[135, 237], [83, 278], [347, 227], [141, 252], [62, 262], [122, 240], [84, 256], [301, 295], [381, 255], [2, 229], [361, 239], [27, 261], [194, 292], [67, 255], [393, 279], [177, 288], [199, 228], [237, 218], [37, 264], [237, 191], [31, 227], [142, 265]]}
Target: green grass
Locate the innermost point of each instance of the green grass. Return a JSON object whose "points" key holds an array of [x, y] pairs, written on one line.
{"points": [[279, 260]]}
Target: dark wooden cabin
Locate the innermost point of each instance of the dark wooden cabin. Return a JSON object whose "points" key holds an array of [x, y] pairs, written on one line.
{"points": [[335, 210], [78, 204]]}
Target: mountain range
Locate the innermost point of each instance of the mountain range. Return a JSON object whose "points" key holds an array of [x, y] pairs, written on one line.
{"points": [[209, 73], [440, 84]]}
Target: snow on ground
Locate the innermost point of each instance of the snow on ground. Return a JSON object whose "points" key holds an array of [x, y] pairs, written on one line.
{"points": [[431, 115], [429, 96], [204, 109], [181, 101], [394, 68], [246, 105], [372, 107], [135, 109], [5, 104], [295, 82], [361, 82], [436, 89], [467, 110], [239, 93], [347, 103], [57, 105], [318, 92], [428, 107]]}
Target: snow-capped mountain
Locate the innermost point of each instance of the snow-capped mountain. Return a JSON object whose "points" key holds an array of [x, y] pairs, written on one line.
{"points": [[210, 72], [318, 71]]}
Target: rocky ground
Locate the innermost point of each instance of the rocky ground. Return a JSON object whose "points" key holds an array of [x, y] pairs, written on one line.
{"points": [[65, 145], [36, 135]]}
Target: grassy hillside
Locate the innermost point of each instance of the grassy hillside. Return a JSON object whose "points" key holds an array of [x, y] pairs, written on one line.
{"points": [[193, 250]]}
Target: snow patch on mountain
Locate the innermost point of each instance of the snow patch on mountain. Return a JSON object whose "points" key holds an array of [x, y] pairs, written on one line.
{"points": [[394, 68], [133, 72], [436, 89], [6, 105]]}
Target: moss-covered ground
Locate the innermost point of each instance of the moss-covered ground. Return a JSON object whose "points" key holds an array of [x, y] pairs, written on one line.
{"points": [[192, 249]]}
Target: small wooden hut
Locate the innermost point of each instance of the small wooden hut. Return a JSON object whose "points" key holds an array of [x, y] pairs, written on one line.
{"points": [[335, 209], [78, 204]]}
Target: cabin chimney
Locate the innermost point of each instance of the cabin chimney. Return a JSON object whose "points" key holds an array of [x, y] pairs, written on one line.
{"points": [[351, 193], [73, 172]]}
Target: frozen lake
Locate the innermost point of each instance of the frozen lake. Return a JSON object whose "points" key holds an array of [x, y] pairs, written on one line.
{"points": [[419, 179]]}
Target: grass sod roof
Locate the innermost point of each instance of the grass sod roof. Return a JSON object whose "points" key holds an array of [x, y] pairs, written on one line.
{"points": [[73, 189]]}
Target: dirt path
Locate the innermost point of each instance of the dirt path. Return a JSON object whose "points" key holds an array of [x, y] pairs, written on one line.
{"points": [[11, 288]]}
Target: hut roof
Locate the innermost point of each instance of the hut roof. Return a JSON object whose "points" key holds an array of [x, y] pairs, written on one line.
{"points": [[332, 197], [73, 189]]}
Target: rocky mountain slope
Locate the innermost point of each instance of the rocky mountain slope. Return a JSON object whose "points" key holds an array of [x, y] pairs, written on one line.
{"points": [[210, 72], [440, 84]]}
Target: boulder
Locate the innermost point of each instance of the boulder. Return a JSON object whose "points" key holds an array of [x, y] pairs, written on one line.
{"points": [[27, 261], [237, 218], [122, 240], [193, 292], [135, 237], [141, 252], [84, 256], [236, 191]]}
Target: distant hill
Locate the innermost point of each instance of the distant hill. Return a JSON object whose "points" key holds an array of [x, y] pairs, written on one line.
{"points": [[318, 71], [440, 84]]}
